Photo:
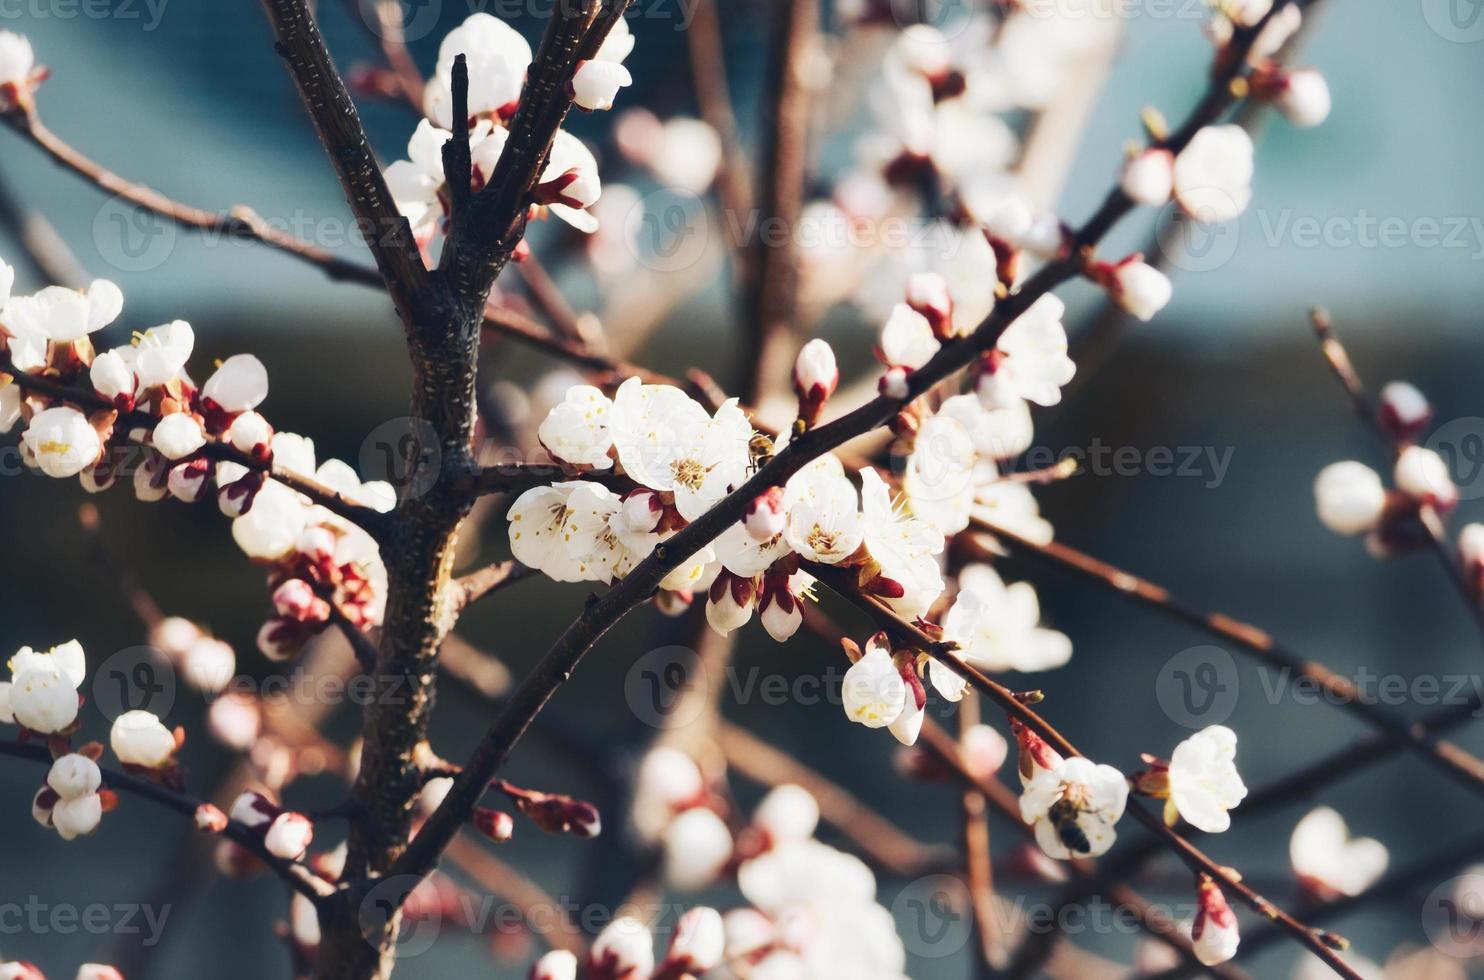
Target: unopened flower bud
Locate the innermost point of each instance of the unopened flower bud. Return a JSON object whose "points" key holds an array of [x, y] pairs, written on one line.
{"points": [[139, 738], [697, 846], [816, 376], [187, 480], [295, 599], [1404, 411], [248, 431], [729, 602], [98, 971], [788, 814], [1214, 933], [74, 775], [289, 835], [239, 385], [235, 721], [111, 376], [1149, 177], [497, 825], [623, 950], [18, 970], [253, 810], [596, 83], [927, 293], [281, 639], [177, 436], [1423, 474], [77, 817], [209, 664], [1139, 288], [765, 515], [235, 498], [699, 943], [559, 964], [1349, 497], [210, 819], [893, 384], [642, 510], [152, 478], [1303, 97]]}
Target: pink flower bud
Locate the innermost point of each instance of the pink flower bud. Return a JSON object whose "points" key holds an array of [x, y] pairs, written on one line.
{"points": [[281, 639], [596, 83], [19, 970], [816, 376], [893, 384], [1214, 932], [210, 819], [289, 835], [1139, 288], [1422, 473], [765, 515], [295, 599], [253, 810], [623, 951], [236, 498], [1404, 412], [497, 825], [927, 293], [187, 480], [699, 943], [642, 510], [249, 431]]}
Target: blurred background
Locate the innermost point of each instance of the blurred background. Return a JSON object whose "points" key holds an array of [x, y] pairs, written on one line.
{"points": [[191, 99]]}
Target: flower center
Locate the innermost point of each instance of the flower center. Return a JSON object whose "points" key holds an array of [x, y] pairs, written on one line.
{"points": [[689, 473]]}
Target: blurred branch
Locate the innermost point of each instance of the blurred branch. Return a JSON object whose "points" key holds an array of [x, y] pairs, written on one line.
{"points": [[50, 258], [1456, 762], [708, 68]]}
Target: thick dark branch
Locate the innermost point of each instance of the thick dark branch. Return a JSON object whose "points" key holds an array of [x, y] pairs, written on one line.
{"points": [[300, 878], [518, 477], [561, 659], [389, 236]]}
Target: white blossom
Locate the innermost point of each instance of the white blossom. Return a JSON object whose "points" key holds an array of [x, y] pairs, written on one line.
{"points": [[1213, 174], [1204, 783], [160, 353], [696, 847], [907, 338], [904, 547], [1422, 473], [559, 964], [699, 942], [1349, 497], [1148, 177], [74, 775], [873, 691], [1074, 807], [43, 699], [1032, 362], [273, 526], [1328, 860], [997, 626], [59, 314], [788, 813], [178, 435], [596, 83], [111, 375], [248, 431], [78, 816], [139, 738], [288, 836], [824, 517], [667, 441], [62, 441], [1304, 97], [624, 949], [17, 61], [1141, 289], [496, 56], [240, 384], [1002, 432], [938, 482], [578, 430]]}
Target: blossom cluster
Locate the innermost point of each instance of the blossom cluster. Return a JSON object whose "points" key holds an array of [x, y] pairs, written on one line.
{"points": [[812, 909], [21, 970], [497, 58], [136, 406]]}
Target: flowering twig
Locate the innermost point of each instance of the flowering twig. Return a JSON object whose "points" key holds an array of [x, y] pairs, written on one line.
{"points": [[562, 658], [300, 878], [372, 521], [1457, 762], [481, 582], [1193, 857]]}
